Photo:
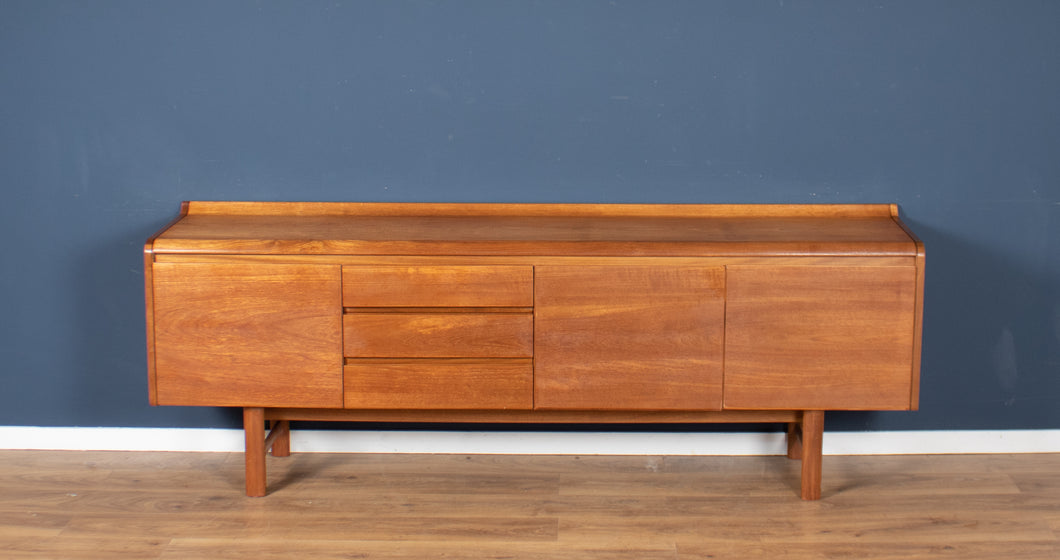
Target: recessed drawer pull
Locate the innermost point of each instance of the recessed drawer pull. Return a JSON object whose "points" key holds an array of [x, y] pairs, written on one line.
{"points": [[395, 310]]}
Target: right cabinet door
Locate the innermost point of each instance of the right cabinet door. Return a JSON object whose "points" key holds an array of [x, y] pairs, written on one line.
{"points": [[819, 337]]}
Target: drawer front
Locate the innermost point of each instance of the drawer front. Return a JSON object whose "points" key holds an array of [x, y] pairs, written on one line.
{"points": [[438, 335], [437, 286], [440, 385]]}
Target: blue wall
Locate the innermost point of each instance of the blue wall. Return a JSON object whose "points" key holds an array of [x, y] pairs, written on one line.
{"points": [[112, 112]]}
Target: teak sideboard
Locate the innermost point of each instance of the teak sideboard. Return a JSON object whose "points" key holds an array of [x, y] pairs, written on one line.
{"points": [[534, 313]]}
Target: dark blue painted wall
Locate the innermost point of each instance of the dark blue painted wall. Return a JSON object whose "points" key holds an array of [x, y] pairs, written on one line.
{"points": [[111, 113]]}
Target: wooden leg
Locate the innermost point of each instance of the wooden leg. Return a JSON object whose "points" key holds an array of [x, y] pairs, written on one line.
{"points": [[279, 440], [254, 431], [812, 439], [794, 440]]}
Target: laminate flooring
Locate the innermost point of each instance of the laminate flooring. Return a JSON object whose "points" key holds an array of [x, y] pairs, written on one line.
{"points": [[116, 505]]}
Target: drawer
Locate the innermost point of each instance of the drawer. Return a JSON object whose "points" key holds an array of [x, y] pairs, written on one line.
{"points": [[438, 335], [437, 286], [446, 384]]}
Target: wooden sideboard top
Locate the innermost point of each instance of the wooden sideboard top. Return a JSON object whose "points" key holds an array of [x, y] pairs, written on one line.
{"points": [[300, 228]]}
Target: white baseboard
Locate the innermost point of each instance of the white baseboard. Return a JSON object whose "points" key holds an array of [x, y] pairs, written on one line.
{"points": [[534, 443]]}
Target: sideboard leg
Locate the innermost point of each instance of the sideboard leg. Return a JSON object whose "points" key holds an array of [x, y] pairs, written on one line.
{"points": [[279, 441], [254, 431], [794, 440], [812, 440]]}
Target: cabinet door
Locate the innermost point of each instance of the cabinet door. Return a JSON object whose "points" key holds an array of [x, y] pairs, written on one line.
{"points": [[819, 337], [628, 337], [248, 334]]}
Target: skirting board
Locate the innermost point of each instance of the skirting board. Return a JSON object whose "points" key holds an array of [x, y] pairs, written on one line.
{"points": [[534, 443]]}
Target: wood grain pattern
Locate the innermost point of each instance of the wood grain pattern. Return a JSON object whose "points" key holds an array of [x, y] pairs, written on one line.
{"points": [[597, 230], [149, 304], [117, 506], [437, 286], [439, 384], [819, 337], [811, 435], [254, 451], [354, 209], [438, 335], [628, 338], [918, 323], [539, 416], [247, 335], [278, 442], [551, 260]]}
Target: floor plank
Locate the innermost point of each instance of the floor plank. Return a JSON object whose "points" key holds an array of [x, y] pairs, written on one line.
{"points": [[117, 505]]}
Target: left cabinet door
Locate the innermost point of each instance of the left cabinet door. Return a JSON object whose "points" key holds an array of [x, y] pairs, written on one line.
{"points": [[247, 334]]}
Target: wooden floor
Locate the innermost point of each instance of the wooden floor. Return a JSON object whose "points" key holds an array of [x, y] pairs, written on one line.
{"points": [[190, 505]]}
